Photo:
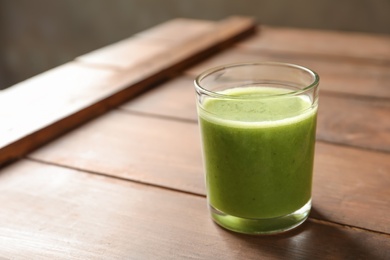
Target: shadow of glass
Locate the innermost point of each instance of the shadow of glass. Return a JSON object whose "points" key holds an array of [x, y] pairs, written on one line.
{"points": [[314, 239]]}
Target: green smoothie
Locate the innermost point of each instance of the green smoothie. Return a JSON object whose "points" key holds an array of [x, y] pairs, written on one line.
{"points": [[258, 151]]}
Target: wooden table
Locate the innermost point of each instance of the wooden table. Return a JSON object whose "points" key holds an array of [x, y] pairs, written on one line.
{"points": [[101, 156]]}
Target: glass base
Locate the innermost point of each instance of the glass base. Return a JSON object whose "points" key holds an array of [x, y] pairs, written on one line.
{"points": [[261, 226]]}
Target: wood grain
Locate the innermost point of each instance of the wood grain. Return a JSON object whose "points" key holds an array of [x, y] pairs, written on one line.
{"points": [[58, 213], [68, 96], [167, 153], [328, 44], [341, 76]]}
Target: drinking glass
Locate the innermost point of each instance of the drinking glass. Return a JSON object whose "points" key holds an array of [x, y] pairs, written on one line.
{"points": [[258, 125]]}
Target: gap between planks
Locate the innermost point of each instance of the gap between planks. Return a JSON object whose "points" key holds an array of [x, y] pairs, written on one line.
{"points": [[314, 56], [351, 95], [151, 115], [111, 176], [337, 224], [161, 187], [275, 38], [192, 121], [322, 92]]}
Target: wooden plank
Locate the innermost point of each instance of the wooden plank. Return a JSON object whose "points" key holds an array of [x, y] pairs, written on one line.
{"points": [[69, 100], [350, 185], [57, 213], [350, 120], [33, 105], [170, 30], [19, 112], [374, 47], [126, 54], [146, 45], [354, 121], [167, 153], [136, 148], [171, 53], [341, 76]]}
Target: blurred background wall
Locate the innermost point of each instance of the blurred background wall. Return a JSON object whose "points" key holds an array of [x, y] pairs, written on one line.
{"points": [[36, 35]]}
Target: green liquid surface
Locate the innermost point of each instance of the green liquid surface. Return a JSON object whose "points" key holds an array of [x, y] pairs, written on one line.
{"points": [[258, 153]]}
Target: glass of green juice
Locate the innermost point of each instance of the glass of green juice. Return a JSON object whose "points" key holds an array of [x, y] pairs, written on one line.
{"points": [[258, 125]]}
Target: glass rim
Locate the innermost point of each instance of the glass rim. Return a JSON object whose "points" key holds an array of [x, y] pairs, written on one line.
{"points": [[198, 86]]}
